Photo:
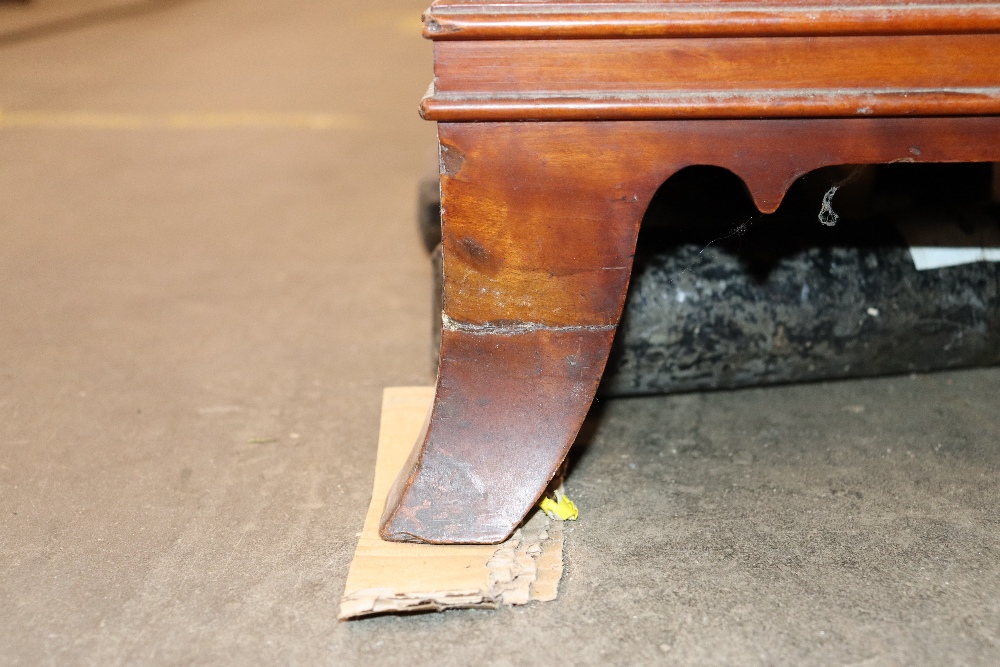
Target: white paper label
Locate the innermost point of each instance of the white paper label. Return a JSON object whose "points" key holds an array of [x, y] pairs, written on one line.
{"points": [[936, 243]]}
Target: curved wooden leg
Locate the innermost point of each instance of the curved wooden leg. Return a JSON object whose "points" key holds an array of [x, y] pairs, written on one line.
{"points": [[507, 409], [538, 248], [540, 222]]}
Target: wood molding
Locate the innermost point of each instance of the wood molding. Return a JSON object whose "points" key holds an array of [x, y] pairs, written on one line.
{"points": [[720, 105], [648, 79], [465, 20]]}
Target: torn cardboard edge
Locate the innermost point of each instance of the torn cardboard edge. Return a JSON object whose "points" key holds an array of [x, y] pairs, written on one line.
{"points": [[394, 577]]}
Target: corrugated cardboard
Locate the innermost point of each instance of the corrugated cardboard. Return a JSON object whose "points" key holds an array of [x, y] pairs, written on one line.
{"points": [[388, 577]]}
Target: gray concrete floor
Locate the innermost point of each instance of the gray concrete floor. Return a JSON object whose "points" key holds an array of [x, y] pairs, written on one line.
{"points": [[195, 327]]}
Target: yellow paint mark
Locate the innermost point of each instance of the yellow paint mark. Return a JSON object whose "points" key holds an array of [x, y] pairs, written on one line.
{"points": [[179, 121], [560, 507]]}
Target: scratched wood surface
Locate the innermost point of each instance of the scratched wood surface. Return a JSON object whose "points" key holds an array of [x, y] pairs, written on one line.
{"points": [[540, 218]]}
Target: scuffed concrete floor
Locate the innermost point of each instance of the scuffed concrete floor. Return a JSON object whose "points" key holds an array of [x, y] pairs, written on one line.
{"points": [[195, 327]]}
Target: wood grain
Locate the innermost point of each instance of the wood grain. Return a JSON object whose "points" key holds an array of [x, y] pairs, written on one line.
{"points": [[620, 79], [539, 229], [478, 20], [559, 122]]}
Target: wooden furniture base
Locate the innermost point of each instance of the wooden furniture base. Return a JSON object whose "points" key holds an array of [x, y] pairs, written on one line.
{"points": [[542, 203]]}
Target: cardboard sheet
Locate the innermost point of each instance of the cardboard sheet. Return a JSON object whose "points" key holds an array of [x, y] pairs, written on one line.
{"points": [[388, 577]]}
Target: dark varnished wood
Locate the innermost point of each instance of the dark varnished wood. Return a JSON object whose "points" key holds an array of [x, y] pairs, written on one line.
{"points": [[524, 19], [540, 222], [841, 76], [817, 104], [505, 414], [540, 218]]}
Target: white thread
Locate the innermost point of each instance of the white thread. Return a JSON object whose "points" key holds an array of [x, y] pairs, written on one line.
{"points": [[827, 216]]}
